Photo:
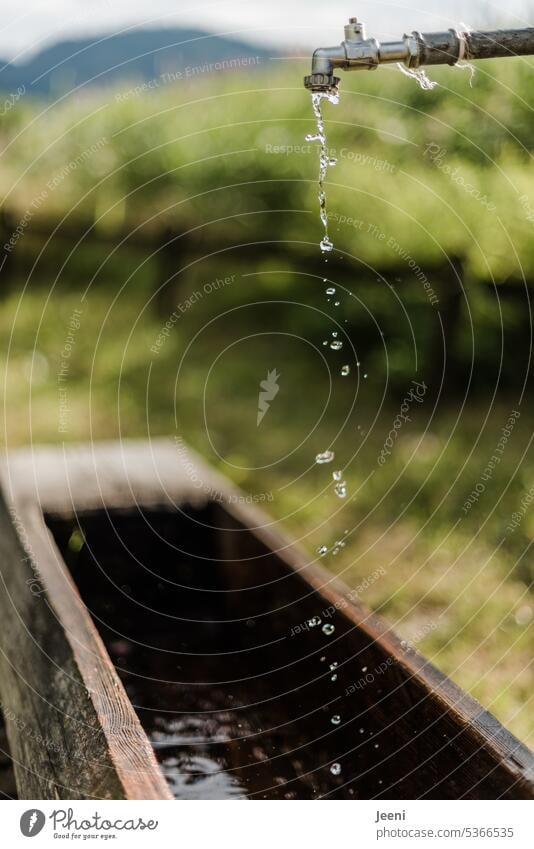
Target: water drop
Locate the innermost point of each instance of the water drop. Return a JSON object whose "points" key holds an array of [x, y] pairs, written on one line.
{"points": [[335, 769], [336, 719], [334, 665], [341, 489], [328, 629], [335, 334], [336, 345], [314, 622], [331, 291], [325, 457], [322, 550], [337, 303], [337, 475], [326, 245], [364, 668], [334, 677], [524, 615], [345, 371]]}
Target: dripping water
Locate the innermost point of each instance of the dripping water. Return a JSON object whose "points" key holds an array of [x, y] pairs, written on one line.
{"points": [[325, 161]]}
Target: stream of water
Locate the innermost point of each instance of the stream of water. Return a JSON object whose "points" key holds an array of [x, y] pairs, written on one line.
{"points": [[325, 161]]}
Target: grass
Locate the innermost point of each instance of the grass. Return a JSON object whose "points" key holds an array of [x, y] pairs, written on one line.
{"points": [[456, 583]]}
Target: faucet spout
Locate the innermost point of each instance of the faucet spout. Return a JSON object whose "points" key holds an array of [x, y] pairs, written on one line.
{"points": [[324, 61]]}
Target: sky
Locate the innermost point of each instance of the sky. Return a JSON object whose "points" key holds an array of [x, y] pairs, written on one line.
{"points": [[286, 24]]}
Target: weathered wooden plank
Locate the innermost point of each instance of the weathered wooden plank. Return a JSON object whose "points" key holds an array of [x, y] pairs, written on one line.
{"points": [[8, 788], [76, 735], [489, 757]]}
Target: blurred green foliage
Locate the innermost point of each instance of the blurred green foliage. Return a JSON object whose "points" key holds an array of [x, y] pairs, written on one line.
{"points": [[227, 155], [203, 152]]}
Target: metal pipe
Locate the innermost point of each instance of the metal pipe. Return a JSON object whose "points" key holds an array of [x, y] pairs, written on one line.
{"points": [[511, 42], [357, 52]]}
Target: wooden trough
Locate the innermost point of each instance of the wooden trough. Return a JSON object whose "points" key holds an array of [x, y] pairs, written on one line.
{"points": [[155, 645]]}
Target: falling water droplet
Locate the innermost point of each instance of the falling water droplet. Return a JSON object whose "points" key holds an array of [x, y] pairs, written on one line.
{"points": [[328, 629], [336, 345], [336, 719], [337, 475], [325, 457], [314, 622], [334, 665], [337, 303], [341, 489], [345, 371], [322, 550], [331, 291], [335, 769], [334, 678]]}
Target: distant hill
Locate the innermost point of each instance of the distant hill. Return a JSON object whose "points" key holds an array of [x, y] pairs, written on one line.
{"points": [[142, 55]]}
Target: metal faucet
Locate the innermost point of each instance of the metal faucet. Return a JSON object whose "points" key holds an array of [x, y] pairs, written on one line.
{"points": [[358, 52]]}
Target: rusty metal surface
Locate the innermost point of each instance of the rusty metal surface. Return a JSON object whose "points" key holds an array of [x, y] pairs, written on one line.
{"points": [[499, 43]]}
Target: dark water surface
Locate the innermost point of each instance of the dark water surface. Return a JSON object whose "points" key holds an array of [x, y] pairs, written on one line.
{"points": [[235, 707]]}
